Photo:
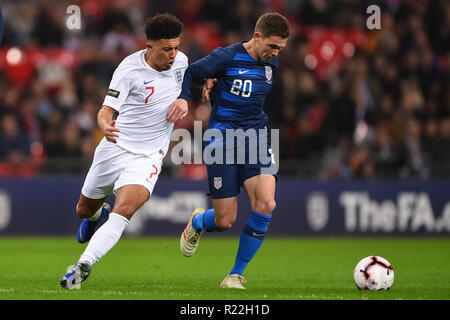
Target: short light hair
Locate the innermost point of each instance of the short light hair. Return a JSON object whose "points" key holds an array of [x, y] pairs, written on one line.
{"points": [[272, 24]]}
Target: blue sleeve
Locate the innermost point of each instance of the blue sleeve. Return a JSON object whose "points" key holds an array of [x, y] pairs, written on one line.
{"points": [[208, 67]]}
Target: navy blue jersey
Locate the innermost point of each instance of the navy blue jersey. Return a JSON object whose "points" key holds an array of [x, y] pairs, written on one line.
{"points": [[238, 96]]}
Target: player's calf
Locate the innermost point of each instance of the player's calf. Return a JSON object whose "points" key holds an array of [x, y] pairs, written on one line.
{"points": [[224, 223], [87, 207], [225, 216], [88, 227]]}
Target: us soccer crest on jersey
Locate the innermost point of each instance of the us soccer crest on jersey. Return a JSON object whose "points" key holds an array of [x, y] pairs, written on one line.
{"points": [[217, 182], [269, 74]]}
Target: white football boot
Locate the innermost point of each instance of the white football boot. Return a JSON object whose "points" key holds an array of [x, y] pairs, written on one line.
{"points": [[233, 281], [190, 237]]}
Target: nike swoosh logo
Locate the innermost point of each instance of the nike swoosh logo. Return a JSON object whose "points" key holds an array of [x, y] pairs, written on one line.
{"points": [[258, 234], [243, 71], [147, 82]]}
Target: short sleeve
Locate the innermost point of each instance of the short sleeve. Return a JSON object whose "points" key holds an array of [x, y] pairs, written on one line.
{"points": [[118, 89]]}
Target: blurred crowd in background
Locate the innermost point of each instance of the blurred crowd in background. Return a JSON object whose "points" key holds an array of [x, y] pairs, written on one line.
{"points": [[349, 102]]}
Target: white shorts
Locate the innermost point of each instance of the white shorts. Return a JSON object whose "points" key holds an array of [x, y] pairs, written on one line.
{"points": [[114, 167]]}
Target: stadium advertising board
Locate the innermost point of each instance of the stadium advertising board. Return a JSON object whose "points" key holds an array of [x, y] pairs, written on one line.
{"points": [[46, 206]]}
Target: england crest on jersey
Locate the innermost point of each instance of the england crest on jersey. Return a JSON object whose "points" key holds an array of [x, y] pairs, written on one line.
{"points": [[269, 74], [217, 182], [178, 73]]}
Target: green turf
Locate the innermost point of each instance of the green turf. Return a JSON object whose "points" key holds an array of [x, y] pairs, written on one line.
{"points": [[284, 268]]}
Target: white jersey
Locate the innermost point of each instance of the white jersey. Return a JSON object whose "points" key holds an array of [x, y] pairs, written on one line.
{"points": [[142, 97]]}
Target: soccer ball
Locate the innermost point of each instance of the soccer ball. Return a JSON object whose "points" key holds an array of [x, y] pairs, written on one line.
{"points": [[373, 273]]}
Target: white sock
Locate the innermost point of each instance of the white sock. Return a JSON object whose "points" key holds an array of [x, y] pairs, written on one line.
{"points": [[104, 238]]}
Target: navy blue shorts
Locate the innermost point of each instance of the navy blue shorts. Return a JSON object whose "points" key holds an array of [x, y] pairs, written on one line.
{"points": [[226, 178]]}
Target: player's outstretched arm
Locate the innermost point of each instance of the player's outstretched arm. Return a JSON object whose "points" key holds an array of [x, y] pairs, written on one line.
{"points": [[208, 67], [177, 110], [107, 124]]}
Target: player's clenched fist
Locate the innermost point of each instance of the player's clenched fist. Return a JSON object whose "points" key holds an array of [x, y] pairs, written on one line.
{"points": [[107, 124], [177, 110]]}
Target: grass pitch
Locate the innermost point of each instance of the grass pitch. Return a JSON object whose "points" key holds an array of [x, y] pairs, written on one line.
{"points": [[283, 269]]}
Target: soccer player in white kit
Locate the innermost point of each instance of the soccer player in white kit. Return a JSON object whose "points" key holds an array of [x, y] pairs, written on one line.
{"points": [[128, 159]]}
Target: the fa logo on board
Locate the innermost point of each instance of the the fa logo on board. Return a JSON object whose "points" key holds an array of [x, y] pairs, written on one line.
{"points": [[73, 21], [374, 20]]}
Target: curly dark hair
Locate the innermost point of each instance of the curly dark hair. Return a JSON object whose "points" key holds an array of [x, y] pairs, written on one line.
{"points": [[163, 26]]}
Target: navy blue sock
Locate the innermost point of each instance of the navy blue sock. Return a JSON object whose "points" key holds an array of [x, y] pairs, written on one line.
{"points": [[250, 241], [205, 221]]}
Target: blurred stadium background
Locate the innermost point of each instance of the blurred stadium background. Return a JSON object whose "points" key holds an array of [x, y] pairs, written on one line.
{"points": [[364, 115]]}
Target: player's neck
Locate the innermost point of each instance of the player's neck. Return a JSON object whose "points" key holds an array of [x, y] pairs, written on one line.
{"points": [[149, 62], [251, 49]]}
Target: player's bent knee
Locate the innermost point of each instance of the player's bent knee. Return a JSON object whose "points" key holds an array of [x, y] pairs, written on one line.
{"points": [[265, 207]]}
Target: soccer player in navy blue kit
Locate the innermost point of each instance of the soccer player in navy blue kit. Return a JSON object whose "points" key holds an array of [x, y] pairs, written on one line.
{"points": [[244, 73]]}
